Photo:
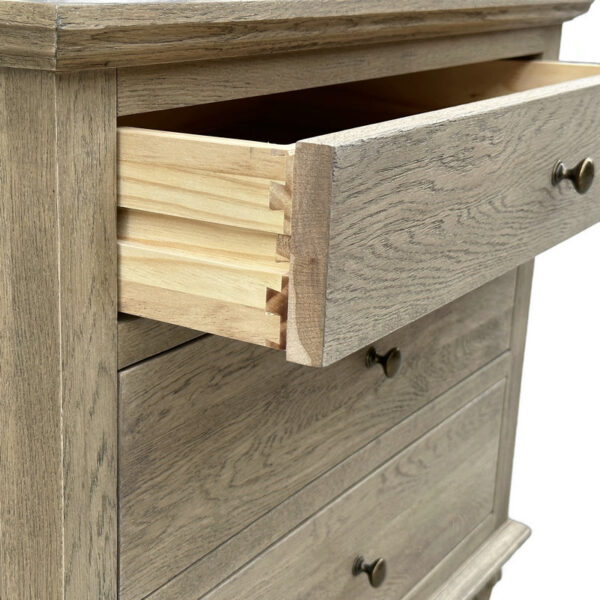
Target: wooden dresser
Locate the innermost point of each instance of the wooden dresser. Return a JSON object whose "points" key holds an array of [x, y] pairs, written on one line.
{"points": [[266, 268]]}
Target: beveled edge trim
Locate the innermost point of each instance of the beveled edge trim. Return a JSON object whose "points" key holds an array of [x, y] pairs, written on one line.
{"points": [[484, 563], [92, 35]]}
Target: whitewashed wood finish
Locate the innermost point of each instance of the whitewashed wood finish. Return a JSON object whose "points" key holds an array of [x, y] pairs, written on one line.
{"points": [[66, 35], [86, 196], [486, 592], [206, 573], [142, 338], [31, 494], [507, 439], [217, 433], [483, 566], [511, 409], [412, 511], [453, 561], [159, 87], [27, 35], [58, 383], [392, 220], [513, 390]]}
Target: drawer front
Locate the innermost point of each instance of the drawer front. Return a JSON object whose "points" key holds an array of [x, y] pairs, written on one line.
{"points": [[391, 221], [411, 512], [388, 221], [215, 434]]}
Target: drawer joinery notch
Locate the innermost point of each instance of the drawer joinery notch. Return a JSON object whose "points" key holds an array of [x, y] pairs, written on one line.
{"points": [[203, 234]]}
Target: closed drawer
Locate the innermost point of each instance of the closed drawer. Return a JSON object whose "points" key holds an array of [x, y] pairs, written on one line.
{"points": [[216, 434], [323, 245], [411, 512]]}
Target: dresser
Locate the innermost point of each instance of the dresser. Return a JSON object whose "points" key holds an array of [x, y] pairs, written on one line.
{"points": [[266, 269]]}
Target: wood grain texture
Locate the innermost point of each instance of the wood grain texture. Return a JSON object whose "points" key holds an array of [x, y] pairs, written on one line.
{"points": [[31, 494], [420, 209], [59, 388], [511, 409], [453, 560], [227, 319], [142, 338], [420, 505], [86, 141], [213, 428], [207, 572], [65, 35], [485, 563], [159, 87], [518, 338], [201, 222], [28, 35]]}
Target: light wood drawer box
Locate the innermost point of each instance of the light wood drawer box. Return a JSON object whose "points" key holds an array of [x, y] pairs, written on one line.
{"points": [[217, 433], [388, 221], [412, 511]]}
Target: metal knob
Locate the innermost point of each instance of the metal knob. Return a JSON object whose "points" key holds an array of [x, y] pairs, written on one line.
{"points": [[582, 175], [375, 571], [390, 361]]}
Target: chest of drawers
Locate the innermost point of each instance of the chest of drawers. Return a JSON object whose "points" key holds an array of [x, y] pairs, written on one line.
{"points": [[318, 221]]}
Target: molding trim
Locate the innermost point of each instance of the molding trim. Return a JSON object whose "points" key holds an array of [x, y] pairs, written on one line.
{"points": [[485, 563], [64, 35]]}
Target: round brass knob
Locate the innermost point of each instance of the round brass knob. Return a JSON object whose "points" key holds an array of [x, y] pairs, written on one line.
{"points": [[375, 571], [390, 361], [581, 175]]}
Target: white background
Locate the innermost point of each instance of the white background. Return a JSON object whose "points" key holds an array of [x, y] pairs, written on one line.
{"points": [[556, 485]]}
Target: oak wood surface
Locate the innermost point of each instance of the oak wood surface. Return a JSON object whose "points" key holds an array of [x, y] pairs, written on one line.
{"points": [[411, 511], [58, 404], [139, 338], [511, 409], [468, 581], [66, 35], [31, 494], [207, 572], [513, 390], [86, 174], [450, 565], [159, 87], [453, 560], [417, 205], [224, 422]]}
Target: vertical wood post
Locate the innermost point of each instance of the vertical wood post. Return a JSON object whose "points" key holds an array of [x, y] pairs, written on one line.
{"points": [[58, 307]]}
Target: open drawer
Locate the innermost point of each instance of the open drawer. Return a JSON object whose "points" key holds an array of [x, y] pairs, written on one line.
{"points": [[403, 194]]}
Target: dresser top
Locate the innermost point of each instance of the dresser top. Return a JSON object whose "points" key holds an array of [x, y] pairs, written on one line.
{"points": [[69, 34]]}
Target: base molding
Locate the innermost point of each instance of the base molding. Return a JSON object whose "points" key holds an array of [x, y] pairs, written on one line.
{"points": [[481, 569]]}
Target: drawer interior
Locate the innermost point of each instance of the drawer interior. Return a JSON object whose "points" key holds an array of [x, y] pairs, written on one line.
{"points": [[284, 119], [206, 193]]}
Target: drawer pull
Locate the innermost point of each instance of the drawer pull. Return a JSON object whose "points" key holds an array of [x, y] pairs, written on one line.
{"points": [[390, 361], [375, 571], [582, 175]]}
